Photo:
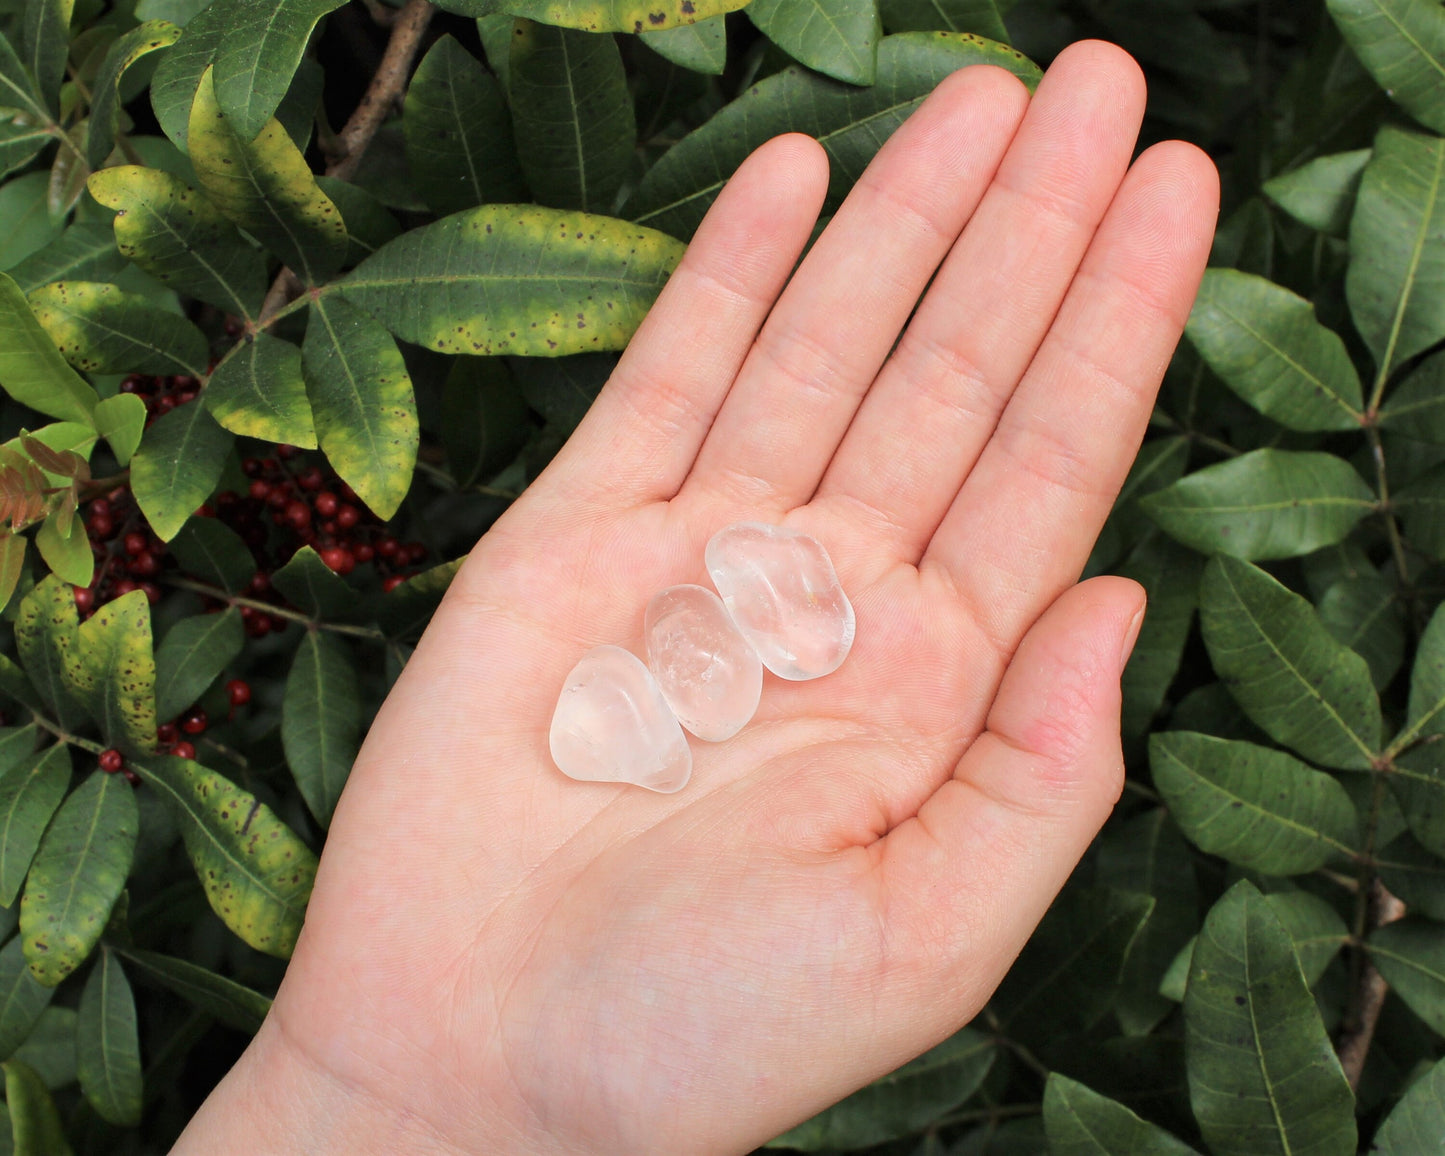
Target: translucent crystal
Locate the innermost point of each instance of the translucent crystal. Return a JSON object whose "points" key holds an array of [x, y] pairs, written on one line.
{"points": [[612, 725], [709, 674], [780, 587]]}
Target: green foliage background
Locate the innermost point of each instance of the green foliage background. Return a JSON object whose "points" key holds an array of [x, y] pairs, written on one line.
{"points": [[1250, 960]]}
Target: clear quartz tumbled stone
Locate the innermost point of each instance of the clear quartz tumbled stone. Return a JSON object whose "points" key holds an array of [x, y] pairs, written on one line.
{"points": [[780, 587], [708, 672], [612, 725]]}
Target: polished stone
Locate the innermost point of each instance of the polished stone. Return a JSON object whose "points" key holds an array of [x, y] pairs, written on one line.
{"points": [[612, 725], [780, 587], [708, 672]]}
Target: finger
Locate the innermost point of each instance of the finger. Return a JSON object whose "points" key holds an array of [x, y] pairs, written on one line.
{"points": [[922, 425], [837, 319], [640, 437], [1021, 528], [967, 880]]}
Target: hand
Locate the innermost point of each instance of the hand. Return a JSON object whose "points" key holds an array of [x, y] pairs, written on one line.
{"points": [[499, 959]]}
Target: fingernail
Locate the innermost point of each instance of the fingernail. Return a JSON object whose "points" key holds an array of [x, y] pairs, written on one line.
{"points": [[1131, 636]]}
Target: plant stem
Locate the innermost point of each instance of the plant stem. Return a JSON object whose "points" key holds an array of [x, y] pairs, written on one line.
{"points": [[1370, 990], [350, 143], [1382, 484], [64, 736], [306, 620], [989, 1115]]}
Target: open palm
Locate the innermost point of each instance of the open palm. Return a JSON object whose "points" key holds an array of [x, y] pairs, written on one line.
{"points": [[497, 958]]}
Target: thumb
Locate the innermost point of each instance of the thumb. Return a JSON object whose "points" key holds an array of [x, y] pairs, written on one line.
{"points": [[970, 878]]}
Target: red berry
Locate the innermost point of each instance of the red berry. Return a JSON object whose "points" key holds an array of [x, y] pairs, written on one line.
{"points": [[165, 403], [260, 490], [286, 453], [327, 504], [194, 722], [364, 552], [233, 327], [112, 761], [347, 516], [205, 510], [259, 626], [415, 551], [184, 751], [270, 465], [251, 467], [279, 497], [124, 587], [238, 690], [347, 492], [101, 507], [387, 546], [167, 733], [298, 514], [100, 525], [84, 599], [226, 499], [145, 565], [131, 384], [259, 584], [135, 543], [338, 559], [131, 777], [152, 592], [392, 582], [311, 478]]}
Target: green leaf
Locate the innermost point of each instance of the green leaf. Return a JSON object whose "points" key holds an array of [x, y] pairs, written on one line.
{"points": [[173, 87], [1254, 806], [361, 402], [259, 53], [484, 419], [50, 1050], [1147, 854], [256, 872], [1265, 344], [562, 389], [313, 587], [31, 368], [103, 329], [177, 466], [522, 280], [1066, 978], [230, 1002], [258, 391], [30, 791], [980, 17], [321, 721], [1411, 956], [176, 235], [701, 47], [1418, 784], [34, 1122], [46, 39], [369, 223], [850, 123], [124, 51], [12, 563], [1303, 688], [85, 251], [458, 132], [1170, 576], [571, 115], [601, 15], [17, 89], [1080, 1122], [46, 629], [68, 555], [1264, 504], [901, 1103], [1365, 614], [22, 998], [114, 672], [1420, 506], [266, 187], [1262, 1074], [407, 609], [1402, 43], [78, 873], [121, 420], [1426, 714], [1321, 194], [1396, 280], [836, 37], [28, 226], [21, 138], [1316, 930], [213, 552], [1416, 407], [1414, 875], [195, 651], [107, 1044], [1417, 1122]]}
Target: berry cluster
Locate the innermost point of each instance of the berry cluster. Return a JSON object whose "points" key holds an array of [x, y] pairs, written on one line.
{"points": [[161, 394], [174, 737], [127, 555]]}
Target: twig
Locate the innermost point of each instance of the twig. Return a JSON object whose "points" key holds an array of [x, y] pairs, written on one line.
{"points": [[345, 153], [385, 87], [1354, 1043]]}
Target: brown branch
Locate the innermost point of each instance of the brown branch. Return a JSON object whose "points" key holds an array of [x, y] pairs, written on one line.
{"points": [[345, 152], [1359, 1031], [385, 88]]}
